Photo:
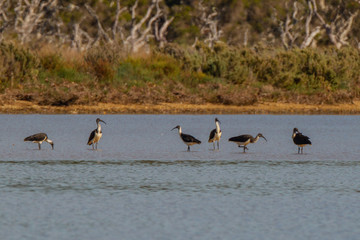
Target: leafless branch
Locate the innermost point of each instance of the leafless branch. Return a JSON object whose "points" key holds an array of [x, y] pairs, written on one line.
{"points": [[119, 11], [209, 24], [339, 28], [292, 28], [30, 18], [101, 31]]}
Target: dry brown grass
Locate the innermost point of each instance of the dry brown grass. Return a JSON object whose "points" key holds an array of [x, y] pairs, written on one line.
{"points": [[176, 108]]}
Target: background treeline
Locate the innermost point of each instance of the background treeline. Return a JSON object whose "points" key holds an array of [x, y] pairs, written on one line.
{"points": [[229, 52]]}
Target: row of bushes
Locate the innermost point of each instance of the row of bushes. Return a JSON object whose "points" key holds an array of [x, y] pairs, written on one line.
{"points": [[225, 75]]}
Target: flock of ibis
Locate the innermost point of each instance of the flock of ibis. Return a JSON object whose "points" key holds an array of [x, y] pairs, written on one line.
{"points": [[94, 137], [242, 141]]}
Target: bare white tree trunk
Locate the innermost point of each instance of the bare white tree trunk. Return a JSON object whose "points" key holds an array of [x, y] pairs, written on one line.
{"points": [[339, 28], [209, 25], [140, 31], [29, 15], [80, 39], [293, 27], [160, 32], [4, 19], [138, 36], [309, 34]]}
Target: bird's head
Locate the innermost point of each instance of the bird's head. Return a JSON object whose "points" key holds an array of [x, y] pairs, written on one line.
{"points": [[295, 130], [99, 120], [51, 143], [217, 120], [178, 127], [262, 136]]}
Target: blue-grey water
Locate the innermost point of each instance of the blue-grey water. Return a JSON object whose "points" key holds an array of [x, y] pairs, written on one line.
{"points": [[143, 184]]}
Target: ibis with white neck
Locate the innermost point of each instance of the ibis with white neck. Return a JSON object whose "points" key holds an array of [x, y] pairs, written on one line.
{"points": [[39, 138], [186, 138], [95, 135], [245, 139], [300, 140], [215, 134]]}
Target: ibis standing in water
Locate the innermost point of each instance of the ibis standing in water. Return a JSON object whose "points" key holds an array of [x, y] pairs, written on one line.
{"points": [[300, 140], [244, 140], [215, 134], [187, 139], [96, 134], [39, 138]]}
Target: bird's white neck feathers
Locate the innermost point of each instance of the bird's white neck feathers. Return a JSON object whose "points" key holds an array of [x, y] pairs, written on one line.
{"points": [[49, 141], [179, 130], [256, 138], [217, 127], [294, 135], [98, 127]]}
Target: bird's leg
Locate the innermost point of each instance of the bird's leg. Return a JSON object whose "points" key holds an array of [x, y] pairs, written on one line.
{"points": [[214, 144], [244, 148], [96, 145], [92, 146], [39, 146], [298, 150], [188, 148], [218, 144], [302, 149]]}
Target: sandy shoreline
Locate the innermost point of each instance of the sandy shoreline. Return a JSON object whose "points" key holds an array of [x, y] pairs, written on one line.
{"points": [[24, 107]]}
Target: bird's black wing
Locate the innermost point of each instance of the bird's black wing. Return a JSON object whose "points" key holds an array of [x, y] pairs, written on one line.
{"points": [[241, 138], [305, 139], [36, 137], [188, 138], [301, 139], [212, 134], [92, 136]]}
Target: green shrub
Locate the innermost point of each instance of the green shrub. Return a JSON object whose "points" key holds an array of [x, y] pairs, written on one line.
{"points": [[17, 65]]}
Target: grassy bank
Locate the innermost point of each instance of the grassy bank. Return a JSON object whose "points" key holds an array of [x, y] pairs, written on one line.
{"points": [[24, 107], [175, 74]]}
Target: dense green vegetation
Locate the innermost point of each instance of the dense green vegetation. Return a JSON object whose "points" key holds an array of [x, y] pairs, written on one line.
{"points": [[224, 75], [75, 56]]}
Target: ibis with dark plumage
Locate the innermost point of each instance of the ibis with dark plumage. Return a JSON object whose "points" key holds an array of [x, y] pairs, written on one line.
{"points": [[215, 134], [95, 135], [186, 138], [39, 138], [245, 139], [300, 140]]}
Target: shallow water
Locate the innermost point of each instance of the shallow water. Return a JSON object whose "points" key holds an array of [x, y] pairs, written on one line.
{"points": [[143, 184]]}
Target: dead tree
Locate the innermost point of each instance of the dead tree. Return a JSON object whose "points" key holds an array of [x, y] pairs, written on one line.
{"points": [[208, 22], [4, 18], [101, 33], [297, 31], [80, 39], [160, 30], [138, 35], [36, 18], [133, 36], [338, 28]]}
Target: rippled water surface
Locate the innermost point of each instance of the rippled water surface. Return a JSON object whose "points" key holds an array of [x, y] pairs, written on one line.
{"points": [[142, 184]]}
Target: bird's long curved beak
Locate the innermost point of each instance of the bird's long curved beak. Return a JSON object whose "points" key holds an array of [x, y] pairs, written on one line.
{"points": [[102, 121], [173, 128], [264, 138]]}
